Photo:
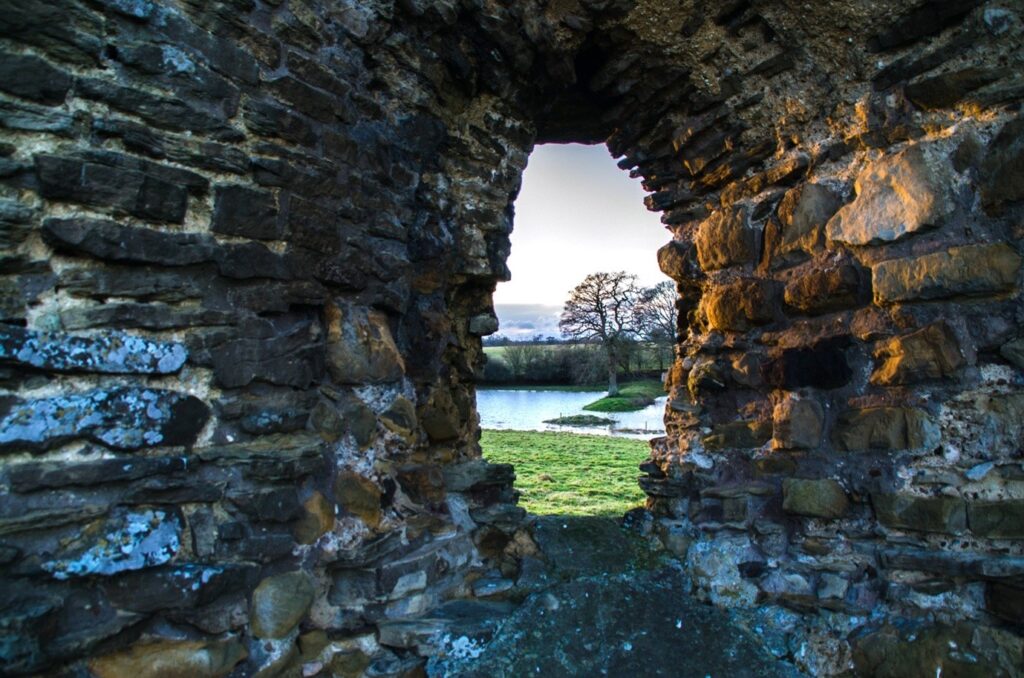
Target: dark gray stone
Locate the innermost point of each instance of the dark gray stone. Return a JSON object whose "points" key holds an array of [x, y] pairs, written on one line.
{"points": [[946, 515], [29, 477], [148, 316], [269, 119], [33, 78], [1002, 172], [142, 283], [946, 89], [277, 505], [276, 458], [247, 213], [175, 587], [111, 241], [169, 113], [98, 183], [111, 354], [133, 540], [477, 473], [123, 419]]}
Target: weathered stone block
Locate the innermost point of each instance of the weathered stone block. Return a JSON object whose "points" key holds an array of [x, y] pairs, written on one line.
{"points": [[246, 212], [316, 520], [279, 603], [483, 325], [477, 473], [897, 196], [172, 659], [997, 519], [740, 306], [885, 428], [273, 505], [116, 353], [814, 498], [713, 563], [946, 515], [28, 76], [678, 261], [803, 213], [123, 419], [797, 424], [359, 496], [111, 241], [960, 271], [360, 348], [140, 194], [287, 357], [738, 435], [354, 587], [27, 477], [932, 352], [1002, 171], [439, 417], [946, 89], [400, 418], [725, 239], [169, 113], [825, 290], [132, 540]]}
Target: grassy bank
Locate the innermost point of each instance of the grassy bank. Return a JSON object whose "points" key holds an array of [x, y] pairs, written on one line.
{"points": [[569, 473], [633, 396]]}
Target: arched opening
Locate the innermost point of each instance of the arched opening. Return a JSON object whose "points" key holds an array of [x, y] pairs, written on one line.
{"points": [[249, 251], [543, 402]]}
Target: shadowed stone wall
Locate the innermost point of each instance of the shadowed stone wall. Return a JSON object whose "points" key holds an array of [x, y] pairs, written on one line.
{"points": [[248, 253]]}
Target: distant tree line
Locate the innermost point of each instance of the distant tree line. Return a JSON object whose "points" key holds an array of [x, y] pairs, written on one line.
{"points": [[611, 326]]}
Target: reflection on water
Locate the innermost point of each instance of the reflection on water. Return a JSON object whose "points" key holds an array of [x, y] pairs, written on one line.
{"points": [[527, 410]]}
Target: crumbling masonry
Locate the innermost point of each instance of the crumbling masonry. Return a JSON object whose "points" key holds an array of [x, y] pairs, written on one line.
{"points": [[248, 251]]}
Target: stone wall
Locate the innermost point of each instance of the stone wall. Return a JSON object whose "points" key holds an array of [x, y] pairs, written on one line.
{"points": [[248, 254]]}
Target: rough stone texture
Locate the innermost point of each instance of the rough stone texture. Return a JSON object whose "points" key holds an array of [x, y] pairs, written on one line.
{"points": [[946, 515], [824, 290], [739, 306], [122, 419], [725, 239], [960, 271], [803, 213], [884, 428], [932, 352], [307, 204], [815, 498], [896, 197], [360, 348], [797, 424], [113, 354], [172, 659], [279, 603]]}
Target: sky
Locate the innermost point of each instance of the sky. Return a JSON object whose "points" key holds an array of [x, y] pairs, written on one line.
{"points": [[577, 213]]}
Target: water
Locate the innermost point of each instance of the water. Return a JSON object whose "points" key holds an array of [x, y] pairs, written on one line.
{"points": [[526, 411]]}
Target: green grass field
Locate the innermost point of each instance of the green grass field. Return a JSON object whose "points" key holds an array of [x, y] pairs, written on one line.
{"points": [[635, 395], [570, 473]]}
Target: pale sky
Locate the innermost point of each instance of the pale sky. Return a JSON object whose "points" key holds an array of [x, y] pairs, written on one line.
{"points": [[578, 213]]}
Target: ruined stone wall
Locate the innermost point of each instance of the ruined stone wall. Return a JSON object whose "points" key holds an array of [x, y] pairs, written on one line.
{"points": [[248, 253], [248, 250], [844, 444]]}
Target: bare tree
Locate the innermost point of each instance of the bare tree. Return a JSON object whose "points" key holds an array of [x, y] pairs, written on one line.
{"points": [[657, 318], [602, 309]]}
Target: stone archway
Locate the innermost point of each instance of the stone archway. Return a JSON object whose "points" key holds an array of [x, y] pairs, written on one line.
{"points": [[249, 252]]}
